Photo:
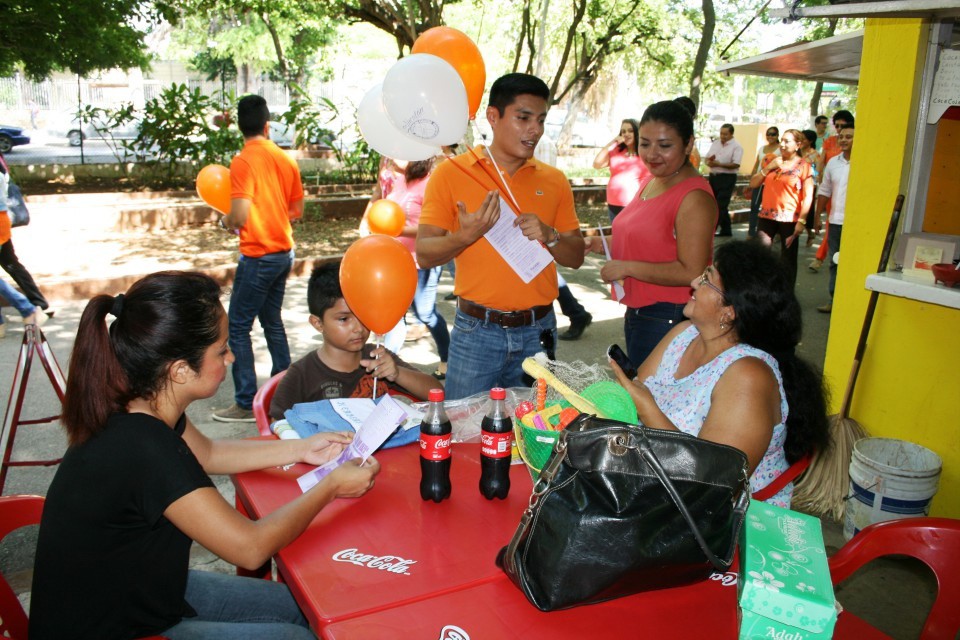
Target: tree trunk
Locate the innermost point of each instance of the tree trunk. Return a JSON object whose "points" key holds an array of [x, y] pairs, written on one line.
{"points": [[703, 51], [818, 89]]}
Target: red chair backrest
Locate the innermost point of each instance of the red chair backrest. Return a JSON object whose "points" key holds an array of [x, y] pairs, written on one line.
{"points": [[261, 403], [783, 479], [15, 512], [933, 541]]}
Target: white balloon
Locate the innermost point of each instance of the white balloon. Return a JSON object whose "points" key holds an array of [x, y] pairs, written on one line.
{"points": [[425, 98], [385, 138]]}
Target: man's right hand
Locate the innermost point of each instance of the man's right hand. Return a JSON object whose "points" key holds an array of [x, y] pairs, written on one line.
{"points": [[474, 225]]}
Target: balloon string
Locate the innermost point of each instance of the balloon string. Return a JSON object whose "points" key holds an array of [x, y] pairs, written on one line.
{"points": [[505, 190], [494, 175], [470, 175], [377, 346]]}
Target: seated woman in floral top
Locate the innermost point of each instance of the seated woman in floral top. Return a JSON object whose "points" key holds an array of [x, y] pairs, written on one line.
{"points": [[730, 374]]}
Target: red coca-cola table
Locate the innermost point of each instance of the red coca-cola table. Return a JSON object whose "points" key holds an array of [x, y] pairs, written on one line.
{"points": [[390, 565], [390, 547]]}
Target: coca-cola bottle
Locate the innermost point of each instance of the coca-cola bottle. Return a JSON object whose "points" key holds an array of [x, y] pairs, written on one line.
{"points": [[496, 440], [435, 450]]}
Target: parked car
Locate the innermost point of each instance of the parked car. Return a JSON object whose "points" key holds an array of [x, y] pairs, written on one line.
{"points": [[67, 125], [11, 137]]}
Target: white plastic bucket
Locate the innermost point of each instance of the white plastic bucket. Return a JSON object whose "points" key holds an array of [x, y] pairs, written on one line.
{"points": [[889, 479]]}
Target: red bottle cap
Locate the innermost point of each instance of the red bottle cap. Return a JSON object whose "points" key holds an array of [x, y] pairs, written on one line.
{"points": [[435, 395], [498, 393]]}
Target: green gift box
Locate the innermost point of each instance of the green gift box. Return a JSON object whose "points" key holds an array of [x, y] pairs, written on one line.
{"points": [[784, 590]]}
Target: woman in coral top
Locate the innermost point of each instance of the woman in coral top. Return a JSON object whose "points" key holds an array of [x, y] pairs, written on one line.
{"points": [[626, 167], [787, 182], [664, 237]]}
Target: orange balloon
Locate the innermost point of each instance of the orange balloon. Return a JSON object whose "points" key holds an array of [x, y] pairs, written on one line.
{"points": [[213, 185], [378, 277], [460, 51], [386, 217]]}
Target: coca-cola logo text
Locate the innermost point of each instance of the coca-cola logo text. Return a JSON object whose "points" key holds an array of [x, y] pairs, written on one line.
{"points": [[451, 632], [393, 564]]}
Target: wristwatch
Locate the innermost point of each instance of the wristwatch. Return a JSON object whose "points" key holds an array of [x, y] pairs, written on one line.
{"points": [[555, 241]]}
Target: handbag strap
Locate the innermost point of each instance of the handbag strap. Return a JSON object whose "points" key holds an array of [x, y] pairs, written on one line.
{"points": [[742, 502]]}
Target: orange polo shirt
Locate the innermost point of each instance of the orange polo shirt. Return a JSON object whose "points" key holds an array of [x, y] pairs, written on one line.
{"points": [[264, 174], [483, 276]]}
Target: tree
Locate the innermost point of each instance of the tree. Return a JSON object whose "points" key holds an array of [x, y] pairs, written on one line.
{"points": [[293, 33], [403, 19], [81, 36], [703, 51]]}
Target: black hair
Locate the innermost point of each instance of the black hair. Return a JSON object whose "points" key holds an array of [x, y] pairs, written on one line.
{"points": [[844, 115], [636, 135], [727, 125], [324, 290], [163, 317], [252, 115], [505, 90], [417, 170], [674, 115], [687, 103], [820, 119], [810, 135], [768, 317]]}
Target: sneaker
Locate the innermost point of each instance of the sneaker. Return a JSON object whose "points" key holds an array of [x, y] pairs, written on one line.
{"points": [[826, 308], [450, 296], [815, 265], [234, 413], [577, 327]]}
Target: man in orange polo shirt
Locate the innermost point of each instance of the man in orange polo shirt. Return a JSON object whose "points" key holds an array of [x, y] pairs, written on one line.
{"points": [[266, 193], [500, 319]]}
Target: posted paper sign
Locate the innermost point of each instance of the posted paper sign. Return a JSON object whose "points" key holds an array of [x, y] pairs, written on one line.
{"points": [[526, 257], [376, 428]]}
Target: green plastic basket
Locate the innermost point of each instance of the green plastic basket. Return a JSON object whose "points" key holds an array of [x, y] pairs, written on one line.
{"points": [[537, 445]]}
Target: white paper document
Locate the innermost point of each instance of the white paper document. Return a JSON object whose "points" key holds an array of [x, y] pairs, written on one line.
{"points": [[375, 429], [618, 291], [526, 257]]}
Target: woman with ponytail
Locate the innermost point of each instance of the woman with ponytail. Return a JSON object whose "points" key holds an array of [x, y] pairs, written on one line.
{"points": [[730, 374], [132, 492]]}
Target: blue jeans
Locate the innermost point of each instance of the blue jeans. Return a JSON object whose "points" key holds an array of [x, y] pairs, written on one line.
{"points": [[484, 355], [833, 247], [17, 299], [258, 293], [645, 327], [234, 608], [425, 308]]}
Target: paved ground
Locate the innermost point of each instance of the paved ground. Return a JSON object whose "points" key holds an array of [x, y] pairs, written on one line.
{"points": [[878, 595]]}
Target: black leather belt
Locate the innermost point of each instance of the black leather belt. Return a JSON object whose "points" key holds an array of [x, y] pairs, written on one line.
{"points": [[504, 319]]}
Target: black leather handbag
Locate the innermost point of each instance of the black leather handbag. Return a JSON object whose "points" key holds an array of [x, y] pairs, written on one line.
{"points": [[620, 509]]}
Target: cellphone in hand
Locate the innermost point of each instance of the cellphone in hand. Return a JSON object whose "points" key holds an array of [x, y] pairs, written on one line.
{"points": [[615, 353]]}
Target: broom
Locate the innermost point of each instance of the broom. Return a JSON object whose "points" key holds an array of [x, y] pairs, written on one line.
{"points": [[822, 489]]}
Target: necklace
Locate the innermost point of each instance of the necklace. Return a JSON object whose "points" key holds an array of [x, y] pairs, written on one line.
{"points": [[661, 181]]}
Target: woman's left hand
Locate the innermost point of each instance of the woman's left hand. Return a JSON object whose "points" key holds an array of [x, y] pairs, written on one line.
{"points": [[639, 393], [324, 447], [797, 232], [614, 271]]}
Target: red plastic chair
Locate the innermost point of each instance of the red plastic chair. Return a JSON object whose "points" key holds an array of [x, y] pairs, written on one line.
{"points": [[933, 541], [15, 512], [783, 479], [261, 403]]}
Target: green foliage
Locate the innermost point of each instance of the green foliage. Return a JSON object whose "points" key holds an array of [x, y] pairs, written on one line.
{"points": [[178, 126], [81, 36]]}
